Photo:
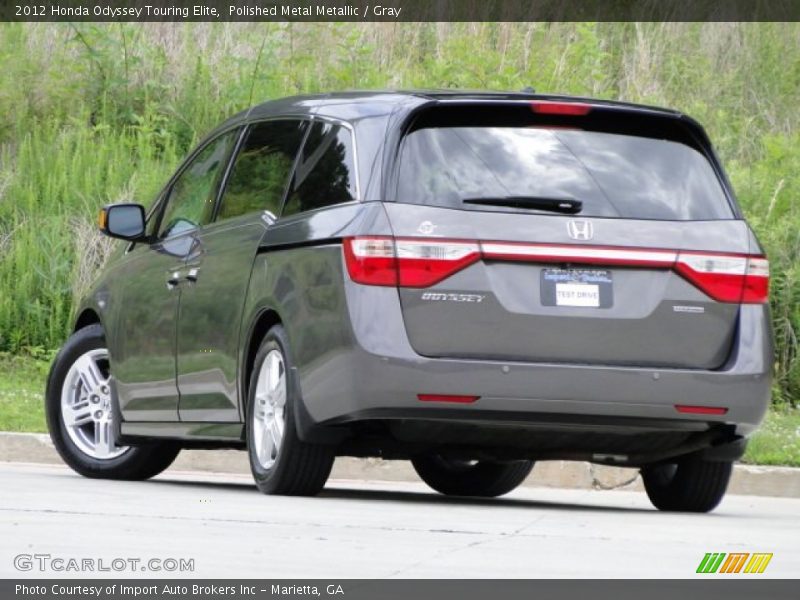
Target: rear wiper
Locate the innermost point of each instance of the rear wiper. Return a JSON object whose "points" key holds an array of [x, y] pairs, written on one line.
{"points": [[560, 205]]}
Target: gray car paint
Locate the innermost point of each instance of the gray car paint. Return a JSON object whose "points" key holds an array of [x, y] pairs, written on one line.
{"points": [[640, 328], [210, 317], [141, 336]]}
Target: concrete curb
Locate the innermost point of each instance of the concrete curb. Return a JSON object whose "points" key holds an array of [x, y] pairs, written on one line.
{"points": [[747, 480]]}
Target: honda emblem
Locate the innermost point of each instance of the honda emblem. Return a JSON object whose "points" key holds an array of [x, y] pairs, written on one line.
{"points": [[580, 230]]}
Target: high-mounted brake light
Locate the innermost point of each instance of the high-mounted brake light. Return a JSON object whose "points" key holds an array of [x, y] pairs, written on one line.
{"points": [[407, 262], [544, 107]]}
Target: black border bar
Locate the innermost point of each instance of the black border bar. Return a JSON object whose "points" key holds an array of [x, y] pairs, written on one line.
{"points": [[398, 10], [707, 587]]}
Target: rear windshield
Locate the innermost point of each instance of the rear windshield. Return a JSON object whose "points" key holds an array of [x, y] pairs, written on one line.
{"points": [[613, 175]]}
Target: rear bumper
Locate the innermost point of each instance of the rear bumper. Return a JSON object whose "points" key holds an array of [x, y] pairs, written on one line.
{"points": [[377, 375]]}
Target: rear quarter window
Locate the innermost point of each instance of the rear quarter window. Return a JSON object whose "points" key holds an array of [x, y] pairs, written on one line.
{"points": [[325, 173]]}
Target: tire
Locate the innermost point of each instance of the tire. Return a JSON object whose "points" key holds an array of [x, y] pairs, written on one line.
{"points": [[281, 463], [78, 390], [690, 485], [483, 478]]}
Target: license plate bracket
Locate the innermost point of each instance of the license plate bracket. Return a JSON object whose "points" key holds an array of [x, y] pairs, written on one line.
{"points": [[578, 288]]}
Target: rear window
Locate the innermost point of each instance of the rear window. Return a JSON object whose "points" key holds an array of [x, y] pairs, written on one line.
{"points": [[612, 174]]}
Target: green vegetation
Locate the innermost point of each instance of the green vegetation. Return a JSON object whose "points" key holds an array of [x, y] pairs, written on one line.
{"points": [[22, 383], [778, 440], [94, 113]]}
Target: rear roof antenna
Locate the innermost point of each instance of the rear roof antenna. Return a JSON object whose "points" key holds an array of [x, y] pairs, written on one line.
{"points": [[528, 90]]}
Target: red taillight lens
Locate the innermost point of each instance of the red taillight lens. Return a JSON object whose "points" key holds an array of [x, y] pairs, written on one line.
{"points": [[727, 278], [371, 260], [544, 107], [756, 281], [407, 262]]}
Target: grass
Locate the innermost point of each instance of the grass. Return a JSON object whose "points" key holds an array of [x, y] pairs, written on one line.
{"points": [[778, 440], [22, 382]]}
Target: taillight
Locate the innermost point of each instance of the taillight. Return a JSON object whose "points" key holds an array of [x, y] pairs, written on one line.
{"points": [[727, 278], [371, 260], [423, 262], [406, 262], [756, 281]]}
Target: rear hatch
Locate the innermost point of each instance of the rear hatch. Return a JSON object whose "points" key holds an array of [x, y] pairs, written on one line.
{"points": [[569, 233]]}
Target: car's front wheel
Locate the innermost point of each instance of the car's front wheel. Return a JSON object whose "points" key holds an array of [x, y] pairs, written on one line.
{"points": [[281, 462], [688, 485], [471, 478], [80, 417]]}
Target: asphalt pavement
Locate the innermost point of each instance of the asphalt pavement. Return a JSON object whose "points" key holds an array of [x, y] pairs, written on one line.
{"points": [[220, 526]]}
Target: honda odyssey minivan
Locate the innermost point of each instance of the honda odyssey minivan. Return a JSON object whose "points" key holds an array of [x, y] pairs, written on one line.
{"points": [[469, 281]]}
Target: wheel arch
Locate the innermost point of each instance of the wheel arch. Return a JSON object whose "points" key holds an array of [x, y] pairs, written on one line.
{"points": [[86, 317], [307, 429], [265, 320]]}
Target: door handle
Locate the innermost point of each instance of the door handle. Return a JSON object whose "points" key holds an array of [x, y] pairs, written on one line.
{"points": [[191, 276], [173, 280]]}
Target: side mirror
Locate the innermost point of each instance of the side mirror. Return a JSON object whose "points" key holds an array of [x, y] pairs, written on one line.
{"points": [[123, 221]]}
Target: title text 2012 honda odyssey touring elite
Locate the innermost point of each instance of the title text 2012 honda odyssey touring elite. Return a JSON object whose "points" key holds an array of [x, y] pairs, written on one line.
{"points": [[472, 281]]}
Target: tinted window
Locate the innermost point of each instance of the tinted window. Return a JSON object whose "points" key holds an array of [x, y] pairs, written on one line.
{"points": [[191, 200], [614, 175], [325, 173], [261, 171]]}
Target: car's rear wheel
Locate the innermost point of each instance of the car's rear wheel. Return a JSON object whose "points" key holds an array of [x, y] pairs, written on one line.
{"points": [[688, 485], [471, 478], [280, 461], [81, 420]]}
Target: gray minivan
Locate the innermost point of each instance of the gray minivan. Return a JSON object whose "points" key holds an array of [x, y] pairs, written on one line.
{"points": [[471, 281]]}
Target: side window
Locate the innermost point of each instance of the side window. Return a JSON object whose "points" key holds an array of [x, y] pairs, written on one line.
{"points": [[261, 170], [325, 173], [191, 200]]}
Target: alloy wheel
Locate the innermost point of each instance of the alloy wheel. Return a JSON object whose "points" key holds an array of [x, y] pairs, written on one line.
{"points": [[269, 419], [86, 406]]}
